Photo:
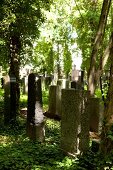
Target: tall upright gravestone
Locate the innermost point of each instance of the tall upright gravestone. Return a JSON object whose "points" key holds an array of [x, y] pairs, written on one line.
{"points": [[75, 121], [10, 99], [95, 108], [35, 118], [61, 84], [13, 98], [71, 110], [84, 123], [6, 99]]}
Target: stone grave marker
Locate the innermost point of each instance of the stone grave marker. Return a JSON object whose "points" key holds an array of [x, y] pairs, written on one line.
{"points": [[25, 85], [95, 111], [35, 117], [6, 99], [84, 123], [71, 110], [13, 97]]}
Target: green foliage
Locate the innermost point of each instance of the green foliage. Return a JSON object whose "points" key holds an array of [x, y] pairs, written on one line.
{"points": [[22, 19], [86, 23], [17, 152], [67, 60], [23, 101], [43, 56]]}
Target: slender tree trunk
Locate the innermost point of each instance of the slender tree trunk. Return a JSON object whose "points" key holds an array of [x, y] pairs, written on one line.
{"points": [[58, 62], [106, 141], [92, 77]]}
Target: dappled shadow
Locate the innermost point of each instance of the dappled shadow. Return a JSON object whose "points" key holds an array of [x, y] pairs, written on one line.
{"points": [[18, 152], [27, 154]]}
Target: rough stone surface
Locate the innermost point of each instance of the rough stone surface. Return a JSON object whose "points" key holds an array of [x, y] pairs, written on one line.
{"points": [[63, 83], [94, 109], [84, 123], [71, 110], [7, 106], [52, 99]]}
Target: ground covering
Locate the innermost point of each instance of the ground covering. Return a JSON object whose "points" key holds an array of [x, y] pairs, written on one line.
{"points": [[17, 152]]}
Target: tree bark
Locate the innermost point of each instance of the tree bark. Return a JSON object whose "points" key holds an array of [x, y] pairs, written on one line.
{"points": [[106, 141], [92, 77], [15, 46]]}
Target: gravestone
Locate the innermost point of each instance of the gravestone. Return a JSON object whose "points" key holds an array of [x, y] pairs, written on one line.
{"points": [[94, 110], [84, 123], [75, 74], [10, 99], [61, 84], [6, 99], [74, 85], [52, 99], [35, 117], [79, 82], [13, 98], [71, 111]]}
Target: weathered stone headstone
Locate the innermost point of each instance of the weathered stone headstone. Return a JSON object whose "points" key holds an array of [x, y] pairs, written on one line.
{"points": [[10, 99], [63, 83], [84, 123], [52, 99], [58, 101], [6, 99], [75, 74], [13, 98], [82, 76], [94, 110], [35, 117], [55, 78], [71, 110], [77, 79], [74, 85]]}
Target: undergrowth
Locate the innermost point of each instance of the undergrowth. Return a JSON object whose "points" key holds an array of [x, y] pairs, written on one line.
{"points": [[18, 152]]}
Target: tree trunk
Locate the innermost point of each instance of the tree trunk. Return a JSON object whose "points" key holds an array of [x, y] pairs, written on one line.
{"points": [[92, 76], [14, 76], [106, 140]]}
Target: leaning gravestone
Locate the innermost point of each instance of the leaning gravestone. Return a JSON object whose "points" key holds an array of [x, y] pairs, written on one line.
{"points": [[71, 110], [35, 117]]}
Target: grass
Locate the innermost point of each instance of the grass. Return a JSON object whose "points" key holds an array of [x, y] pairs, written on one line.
{"points": [[18, 152]]}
